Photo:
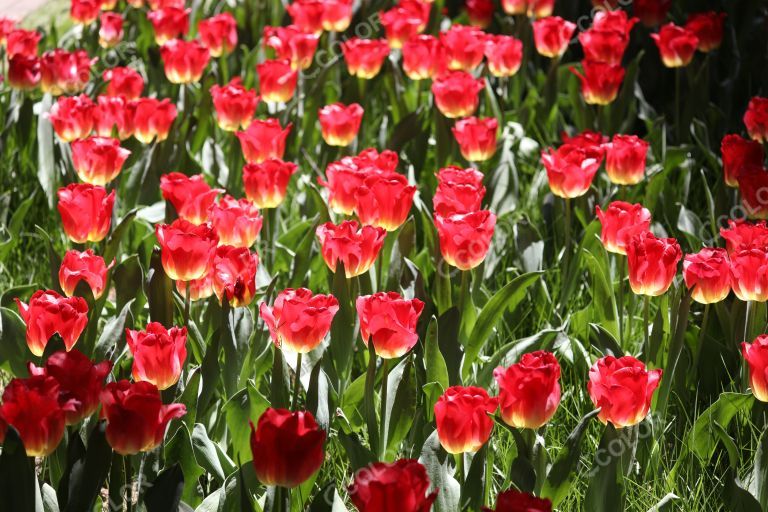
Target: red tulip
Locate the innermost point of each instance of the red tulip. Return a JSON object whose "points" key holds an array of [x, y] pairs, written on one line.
{"points": [[622, 388], [571, 168], [307, 15], [98, 160], [708, 27], [357, 248], [234, 104], [299, 320], [86, 212], [458, 191], [72, 117], [7, 25], [154, 5], [463, 424], [64, 72], [346, 176], [676, 45], [218, 34], [263, 139], [84, 12], [465, 237], [405, 20], [613, 20], [266, 183], [277, 80], [23, 72], [80, 382], [756, 356], [123, 81], [293, 44], [234, 275], [384, 200], [749, 274], [514, 7], [744, 235], [456, 93], [606, 46], [190, 196], [403, 482], [158, 354], [600, 82], [337, 15], [199, 289], [287, 447], [529, 391], [621, 222], [49, 313], [187, 249], [114, 114], [540, 8], [479, 12], [236, 222], [32, 407], [587, 139], [737, 153], [153, 119], [184, 61], [708, 275], [83, 266], [110, 29], [753, 187], [169, 23], [476, 137], [464, 47], [756, 119], [625, 159], [136, 417], [652, 263], [22, 42], [389, 322], [364, 57], [504, 55], [423, 57], [110, 5], [340, 123], [516, 501], [552, 36], [651, 12]]}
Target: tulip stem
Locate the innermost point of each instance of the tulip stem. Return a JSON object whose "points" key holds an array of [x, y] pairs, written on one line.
{"points": [[620, 317], [187, 292], [646, 323], [383, 405], [678, 128], [702, 337], [567, 243], [297, 383], [459, 457]]}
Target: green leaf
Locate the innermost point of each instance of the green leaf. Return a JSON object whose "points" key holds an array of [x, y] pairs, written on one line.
{"points": [[113, 242], [19, 490], [606, 488], [85, 475], [178, 450], [159, 292], [759, 481], [436, 462], [14, 352], [401, 403], [46, 169], [112, 338], [703, 438], [166, 491], [246, 405], [206, 453]]}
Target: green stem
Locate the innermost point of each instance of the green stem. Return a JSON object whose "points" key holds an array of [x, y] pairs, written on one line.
{"points": [[297, 383], [488, 476], [567, 242], [702, 337], [186, 303], [622, 273], [127, 468], [383, 408], [368, 398], [678, 128], [646, 323], [459, 457]]}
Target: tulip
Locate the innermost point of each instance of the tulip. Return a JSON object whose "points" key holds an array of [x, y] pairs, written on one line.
{"points": [[364, 57], [64, 72], [234, 275], [540, 8], [190, 196], [23, 72], [337, 15], [293, 44], [571, 168], [98, 160], [158, 354], [22, 42], [236, 222], [479, 12], [357, 248], [83, 266], [153, 119], [606, 46], [299, 320], [753, 187], [458, 191], [708, 275], [617, 20], [234, 104], [80, 382], [155, 5], [49, 313], [514, 7], [529, 391], [552, 35], [123, 81], [517, 501], [404, 21], [84, 12], [72, 117], [749, 274], [340, 123], [218, 34], [114, 114], [404, 482], [464, 47], [110, 29], [600, 82], [461, 414], [263, 139], [266, 183], [504, 55], [708, 28], [476, 137], [187, 249], [745, 235], [343, 183], [756, 356], [169, 23], [199, 289], [456, 93], [676, 45], [652, 263], [587, 139], [307, 15], [7, 25], [737, 153], [287, 447], [184, 61], [651, 12], [756, 119], [625, 159], [621, 222], [389, 322], [277, 80], [136, 417], [86, 212], [384, 200], [622, 388], [423, 57], [465, 237]]}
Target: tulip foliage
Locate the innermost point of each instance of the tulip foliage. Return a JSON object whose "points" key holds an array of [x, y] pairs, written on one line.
{"points": [[402, 255]]}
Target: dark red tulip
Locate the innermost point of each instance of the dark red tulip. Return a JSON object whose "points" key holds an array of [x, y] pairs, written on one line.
{"points": [[423, 57], [479, 12], [622, 388], [708, 275], [187, 249], [158, 354], [552, 35], [23, 72], [98, 160], [86, 212], [234, 104], [476, 137], [756, 356], [190, 196], [462, 417], [49, 313], [465, 237], [517, 501], [64, 72], [153, 119], [458, 191], [389, 322], [184, 61], [384, 200], [85, 266], [22, 42], [263, 139], [621, 222], [753, 187], [744, 235], [299, 320], [756, 119], [405, 20], [340, 123], [652, 263], [737, 153], [72, 117], [606, 46], [587, 139], [357, 248], [456, 93], [364, 57], [123, 81], [625, 158], [293, 44], [676, 45], [529, 391], [234, 275], [218, 34], [404, 482], [236, 221], [110, 29], [651, 12], [571, 168], [708, 27], [504, 55], [266, 183], [169, 23], [464, 47], [277, 80], [749, 274]]}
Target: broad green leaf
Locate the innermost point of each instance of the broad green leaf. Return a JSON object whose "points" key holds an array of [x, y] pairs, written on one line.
{"points": [[702, 438]]}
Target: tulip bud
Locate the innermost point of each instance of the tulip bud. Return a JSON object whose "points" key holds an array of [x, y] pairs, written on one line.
{"points": [[606, 46], [110, 29], [234, 275], [64, 72], [744, 235], [571, 168], [184, 61], [708, 275], [456, 93], [389, 322], [84, 12], [22, 42], [753, 188], [504, 55], [552, 36], [465, 237], [738, 153], [756, 356], [529, 391], [651, 12], [277, 80], [708, 27], [123, 81], [187, 249], [98, 160], [384, 200], [600, 82], [357, 248], [114, 114], [464, 47], [299, 320], [625, 159], [364, 57], [293, 44], [236, 222], [23, 72], [407, 19], [83, 266], [458, 191], [219, 34], [676, 45], [86, 212], [169, 23], [72, 117], [49, 313], [266, 183], [199, 289], [235, 105], [404, 482], [461, 414], [340, 123], [517, 501], [423, 57], [153, 119], [307, 15], [652, 263], [337, 15], [158, 354], [190, 196], [756, 119], [476, 137], [621, 222], [263, 139], [622, 388], [749, 274]]}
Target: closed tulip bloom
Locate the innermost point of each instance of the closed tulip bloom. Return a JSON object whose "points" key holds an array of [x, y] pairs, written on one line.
{"points": [[190, 196], [389, 322], [465, 237], [504, 55], [72, 117], [154, 5], [617, 20], [98, 160], [234, 104], [236, 221], [110, 29], [458, 191], [340, 123], [652, 263], [49, 313], [606, 46], [80, 382], [136, 417], [464, 47], [187, 249], [600, 82], [744, 235], [123, 81], [23, 72], [293, 44], [456, 93], [199, 289], [514, 7], [461, 414], [364, 57], [708, 27], [756, 356], [299, 320], [218, 34], [85, 266], [344, 179], [479, 12], [22, 42], [540, 8], [307, 15], [708, 275], [753, 188], [7, 25], [587, 139], [404, 482], [552, 35], [169, 23], [84, 12], [621, 222], [651, 12], [529, 391], [476, 137], [517, 501], [153, 119], [158, 354], [86, 212], [277, 80], [64, 72], [622, 388], [423, 57], [114, 115], [738, 153], [749, 274], [234, 275], [263, 139], [571, 168], [337, 15], [357, 248], [625, 158], [405, 20], [266, 183], [184, 61], [287, 447], [384, 200], [756, 119], [676, 45]]}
